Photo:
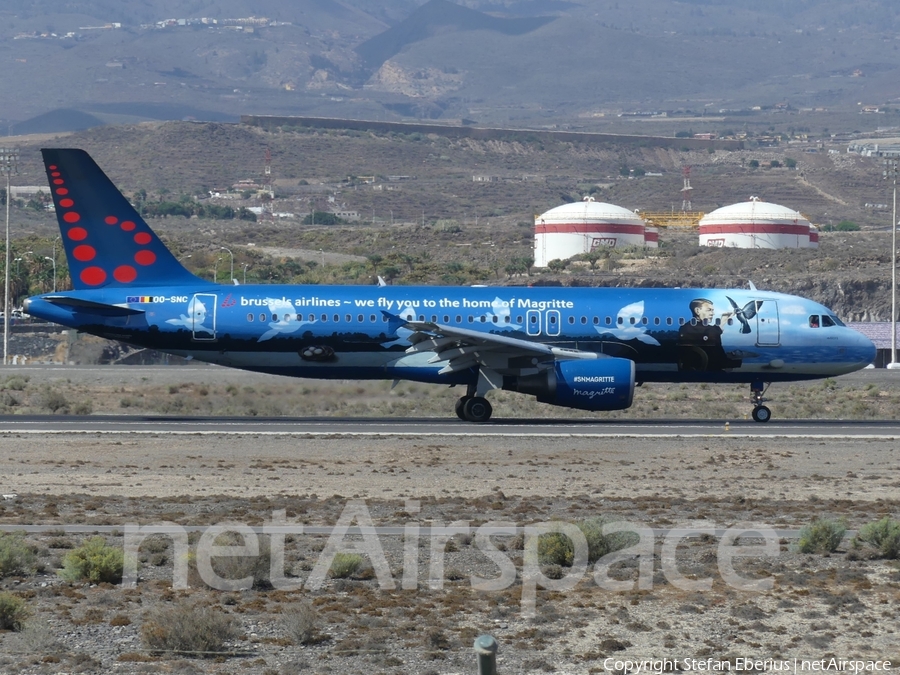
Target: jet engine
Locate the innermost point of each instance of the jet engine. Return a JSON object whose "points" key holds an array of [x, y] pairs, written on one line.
{"points": [[596, 384]]}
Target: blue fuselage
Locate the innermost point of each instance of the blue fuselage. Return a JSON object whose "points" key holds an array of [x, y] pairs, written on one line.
{"points": [[354, 332]]}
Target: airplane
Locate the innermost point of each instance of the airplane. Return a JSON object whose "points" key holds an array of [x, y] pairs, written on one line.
{"points": [[582, 348]]}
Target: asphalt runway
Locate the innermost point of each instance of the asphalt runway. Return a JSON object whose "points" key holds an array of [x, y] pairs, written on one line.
{"points": [[384, 426]]}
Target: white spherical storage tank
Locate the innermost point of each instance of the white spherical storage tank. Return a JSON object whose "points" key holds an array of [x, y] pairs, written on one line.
{"points": [[813, 236], [755, 224], [581, 227]]}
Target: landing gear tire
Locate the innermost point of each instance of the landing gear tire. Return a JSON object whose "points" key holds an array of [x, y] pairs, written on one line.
{"points": [[477, 409], [761, 414], [460, 404]]}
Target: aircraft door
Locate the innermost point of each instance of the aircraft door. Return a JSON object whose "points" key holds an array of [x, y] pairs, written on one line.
{"points": [[203, 316], [767, 329], [552, 320], [533, 322]]}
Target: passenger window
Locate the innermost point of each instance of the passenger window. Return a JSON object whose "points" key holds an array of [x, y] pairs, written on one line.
{"points": [[583, 320], [596, 320], [274, 317], [620, 320], [458, 319], [644, 320], [360, 318], [471, 319], [814, 321], [494, 319], [680, 320], [730, 322], [656, 320], [324, 317], [372, 318], [553, 318], [250, 317], [433, 318], [632, 320], [506, 319], [262, 317], [533, 318], [349, 318], [668, 320], [519, 319], [421, 317], [608, 321], [571, 320], [337, 318], [446, 319], [826, 321], [483, 318]]}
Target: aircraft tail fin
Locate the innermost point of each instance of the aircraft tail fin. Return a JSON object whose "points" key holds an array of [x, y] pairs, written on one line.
{"points": [[107, 243]]}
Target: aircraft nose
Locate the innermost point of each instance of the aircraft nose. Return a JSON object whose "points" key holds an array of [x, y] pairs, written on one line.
{"points": [[863, 350]]}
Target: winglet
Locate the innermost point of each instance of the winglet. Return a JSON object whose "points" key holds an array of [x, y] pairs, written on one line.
{"points": [[106, 242]]}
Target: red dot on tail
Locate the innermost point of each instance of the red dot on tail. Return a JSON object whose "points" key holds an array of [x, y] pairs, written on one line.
{"points": [[84, 252], [56, 174], [142, 238], [145, 257], [62, 191], [58, 181], [128, 226], [77, 233], [52, 167], [66, 203], [110, 220], [71, 217], [93, 276], [125, 273]]}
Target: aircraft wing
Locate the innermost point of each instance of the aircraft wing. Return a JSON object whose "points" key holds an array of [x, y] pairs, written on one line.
{"points": [[463, 348]]}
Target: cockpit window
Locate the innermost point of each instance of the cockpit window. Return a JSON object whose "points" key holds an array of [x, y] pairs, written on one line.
{"points": [[837, 321], [826, 320], [814, 321]]}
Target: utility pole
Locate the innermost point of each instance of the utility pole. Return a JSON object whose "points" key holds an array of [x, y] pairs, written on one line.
{"points": [[890, 171], [9, 160]]}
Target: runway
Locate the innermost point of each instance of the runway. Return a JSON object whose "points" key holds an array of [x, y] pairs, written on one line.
{"points": [[443, 427]]}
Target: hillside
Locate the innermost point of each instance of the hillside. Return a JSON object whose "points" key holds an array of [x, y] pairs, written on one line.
{"points": [[437, 225], [527, 63]]}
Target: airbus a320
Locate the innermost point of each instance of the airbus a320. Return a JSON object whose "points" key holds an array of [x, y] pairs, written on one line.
{"points": [[583, 348]]}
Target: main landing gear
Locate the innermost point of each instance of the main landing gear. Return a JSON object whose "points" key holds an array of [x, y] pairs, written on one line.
{"points": [[760, 412], [473, 408]]}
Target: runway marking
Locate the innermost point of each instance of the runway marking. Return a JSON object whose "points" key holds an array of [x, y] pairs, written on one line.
{"points": [[446, 434]]}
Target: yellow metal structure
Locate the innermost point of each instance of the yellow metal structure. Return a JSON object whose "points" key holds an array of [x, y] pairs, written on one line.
{"points": [[681, 219]]}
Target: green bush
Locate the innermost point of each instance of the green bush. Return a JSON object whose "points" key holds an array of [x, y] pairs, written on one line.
{"points": [[555, 548], [883, 535], [94, 561], [345, 565], [16, 559], [12, 612], [188, 629], [821, 536]]}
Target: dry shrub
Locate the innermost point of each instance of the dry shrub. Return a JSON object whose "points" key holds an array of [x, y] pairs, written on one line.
{"points": [[821, 536], [13, 612], [345, 565], [883, 535], [189, 629], [16, 558], [94, 561], [300, 622]]}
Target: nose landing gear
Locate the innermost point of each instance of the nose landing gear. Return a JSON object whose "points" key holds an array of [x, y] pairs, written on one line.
{"points": [[761, 413]]}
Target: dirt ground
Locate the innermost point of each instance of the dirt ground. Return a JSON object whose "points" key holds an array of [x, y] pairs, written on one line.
{"points": [[819, 606]]}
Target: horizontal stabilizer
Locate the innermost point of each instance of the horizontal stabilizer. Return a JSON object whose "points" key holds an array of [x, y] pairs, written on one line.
{"points": [[90, 306]]}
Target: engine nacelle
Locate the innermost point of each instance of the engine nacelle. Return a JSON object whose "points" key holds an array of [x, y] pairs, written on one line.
{"points": [[596, 384]]}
